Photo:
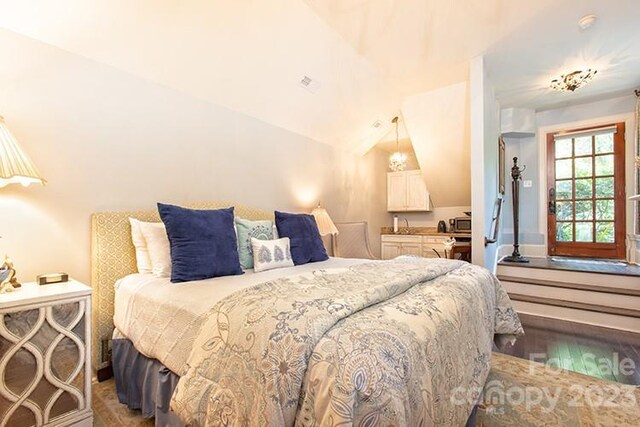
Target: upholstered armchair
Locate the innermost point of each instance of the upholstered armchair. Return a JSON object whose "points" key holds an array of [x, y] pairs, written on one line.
{"points": [[352, 241]]}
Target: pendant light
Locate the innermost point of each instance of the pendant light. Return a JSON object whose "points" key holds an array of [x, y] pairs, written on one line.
{"points": [[398, 160]]}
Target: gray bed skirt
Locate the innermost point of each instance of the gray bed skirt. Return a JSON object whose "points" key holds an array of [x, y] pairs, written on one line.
{"points": [[146, 384], [143, 383]]}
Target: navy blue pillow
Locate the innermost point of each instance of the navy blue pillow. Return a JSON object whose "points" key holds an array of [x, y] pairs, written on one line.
{"points": [[302, 230], [203, 243]]}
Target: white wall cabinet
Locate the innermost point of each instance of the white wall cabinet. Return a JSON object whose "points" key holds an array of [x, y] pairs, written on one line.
{"points": [[395, 245], [407, 192]]}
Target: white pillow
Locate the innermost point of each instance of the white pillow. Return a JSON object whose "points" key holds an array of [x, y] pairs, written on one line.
{"points": [[155, 234], [142, 254], [270, 254]]}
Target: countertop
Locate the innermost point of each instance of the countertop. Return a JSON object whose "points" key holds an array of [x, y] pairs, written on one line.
{"points": [[421, 231]]}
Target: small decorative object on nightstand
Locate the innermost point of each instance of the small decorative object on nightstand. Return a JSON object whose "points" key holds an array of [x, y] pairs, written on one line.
{"points": [[48, 279], [45, 356], [8, 281]]}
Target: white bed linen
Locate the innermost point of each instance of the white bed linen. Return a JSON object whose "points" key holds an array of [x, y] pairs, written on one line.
{"points": [[162, 318]]}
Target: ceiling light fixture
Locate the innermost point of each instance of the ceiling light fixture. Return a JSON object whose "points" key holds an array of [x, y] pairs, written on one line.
{"points": [[398, 160], [572, 81]]}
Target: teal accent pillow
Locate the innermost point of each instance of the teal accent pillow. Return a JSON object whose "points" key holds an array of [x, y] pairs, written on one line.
{"points": [[261, 230]]}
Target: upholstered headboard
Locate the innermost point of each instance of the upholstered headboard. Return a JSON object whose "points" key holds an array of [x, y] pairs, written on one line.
{"points": [[113, 257]]}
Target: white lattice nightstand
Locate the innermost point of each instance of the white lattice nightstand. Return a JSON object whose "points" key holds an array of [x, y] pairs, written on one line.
{"points": [[45, 356]]}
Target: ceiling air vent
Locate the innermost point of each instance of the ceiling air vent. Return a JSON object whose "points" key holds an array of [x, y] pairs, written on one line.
{"points": [[309, 84], [376, 124]]}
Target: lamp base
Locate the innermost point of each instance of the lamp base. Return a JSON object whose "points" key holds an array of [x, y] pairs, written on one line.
{"points": [[516, 258]]}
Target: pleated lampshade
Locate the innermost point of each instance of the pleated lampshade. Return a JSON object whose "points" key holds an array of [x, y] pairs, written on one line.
{"points": [[15, 165], [325, 224]]}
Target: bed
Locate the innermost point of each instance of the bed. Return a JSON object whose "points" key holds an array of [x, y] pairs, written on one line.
{"points": [[340, 341]]}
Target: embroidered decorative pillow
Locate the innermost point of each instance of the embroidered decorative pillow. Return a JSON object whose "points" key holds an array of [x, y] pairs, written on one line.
{"points": [[203, 243], [270, 254], [246, 230], [306, 243]]}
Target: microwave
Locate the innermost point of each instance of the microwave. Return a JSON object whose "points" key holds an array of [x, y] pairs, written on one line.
{"points": [[461, 224]]}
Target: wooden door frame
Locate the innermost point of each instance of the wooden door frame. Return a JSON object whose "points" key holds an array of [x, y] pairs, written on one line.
{"points": [[616, 250]]}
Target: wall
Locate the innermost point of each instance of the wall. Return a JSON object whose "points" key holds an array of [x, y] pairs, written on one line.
{"points": [[248, 56], [484, 165], [529, 151], [438, 124], [106, 140]]}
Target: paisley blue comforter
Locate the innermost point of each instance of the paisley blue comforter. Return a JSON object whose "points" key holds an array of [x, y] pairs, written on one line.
{"points": [[384, 343]]}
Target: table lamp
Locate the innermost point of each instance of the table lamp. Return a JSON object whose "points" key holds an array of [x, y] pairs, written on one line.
{"points": [[325, 224], [15, 168]]}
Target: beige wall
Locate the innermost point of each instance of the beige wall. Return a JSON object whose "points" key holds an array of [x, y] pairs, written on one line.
{"points": [[106, 140], [438, 124]]}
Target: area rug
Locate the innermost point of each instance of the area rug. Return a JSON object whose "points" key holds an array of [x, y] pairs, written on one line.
{"points": [[107, 411], [517, 393], [522, 393]]}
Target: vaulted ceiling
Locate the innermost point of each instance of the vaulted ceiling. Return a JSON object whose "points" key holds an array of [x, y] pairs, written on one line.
{"points": [[367, 56], [425, 44], [247, 55]]}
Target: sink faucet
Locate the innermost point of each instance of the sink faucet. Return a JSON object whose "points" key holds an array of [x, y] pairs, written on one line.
{"points": [[406, 221]]}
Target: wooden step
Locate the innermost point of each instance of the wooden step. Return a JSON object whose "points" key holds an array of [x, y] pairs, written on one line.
{"points": [[627, 285], [584, 330], [623, 305], [571, 285], [573, 304], [585, 317]]}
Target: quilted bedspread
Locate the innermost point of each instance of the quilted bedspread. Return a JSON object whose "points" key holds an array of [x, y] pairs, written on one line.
{"points": [[381, 343]]}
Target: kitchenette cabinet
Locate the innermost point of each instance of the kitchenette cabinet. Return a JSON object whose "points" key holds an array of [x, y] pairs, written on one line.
{"points": [[407, 192], [394, 245]]}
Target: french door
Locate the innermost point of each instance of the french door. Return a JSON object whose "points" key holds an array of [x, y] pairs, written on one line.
{"points": [[586, 195]]}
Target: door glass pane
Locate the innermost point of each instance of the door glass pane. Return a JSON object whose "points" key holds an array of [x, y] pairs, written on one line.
{"points": [[564, 189], [583, 146], [604, 143], [563, 168], [563, 148], [564, 211], [604, 165], [584, 232], [584, 210], [604, 187], [583, 167], [605, 209], [564, 231], [584, 188], [585, 196], [605, 232]]}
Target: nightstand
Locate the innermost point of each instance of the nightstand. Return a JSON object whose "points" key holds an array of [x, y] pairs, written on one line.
{"points": [[45, 355]]}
